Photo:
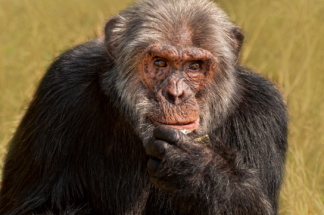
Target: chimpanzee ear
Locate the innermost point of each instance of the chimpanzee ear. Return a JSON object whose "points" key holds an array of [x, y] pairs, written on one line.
{"points": [[238, 37], [110, 37]]}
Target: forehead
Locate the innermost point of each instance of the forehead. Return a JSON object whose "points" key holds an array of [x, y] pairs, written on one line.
{"points": [[181, 36]]}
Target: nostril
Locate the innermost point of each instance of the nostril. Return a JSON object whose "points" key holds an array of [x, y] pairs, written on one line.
{"points": [[181, 96], [174, 98], [170, 97]]}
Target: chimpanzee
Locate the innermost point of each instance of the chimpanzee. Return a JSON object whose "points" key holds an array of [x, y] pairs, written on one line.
{"points": [[158, 117]]}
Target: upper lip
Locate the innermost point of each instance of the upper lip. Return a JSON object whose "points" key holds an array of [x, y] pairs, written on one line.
{"points": [[193, 125]]}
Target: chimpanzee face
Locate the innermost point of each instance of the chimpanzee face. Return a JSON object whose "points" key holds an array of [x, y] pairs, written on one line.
{"points": [[172, 77]]}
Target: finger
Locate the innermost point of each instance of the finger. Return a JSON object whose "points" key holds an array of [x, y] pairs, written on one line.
{"points": [[156, 148], [152, 166], [161, 184], [197, 132], [169, 134]]}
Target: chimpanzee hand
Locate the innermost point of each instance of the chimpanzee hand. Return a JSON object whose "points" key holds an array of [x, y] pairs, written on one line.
{"points": [[176, 160], [198, 177]]}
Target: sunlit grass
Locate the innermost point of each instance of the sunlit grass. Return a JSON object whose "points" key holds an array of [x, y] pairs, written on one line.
{"points": [[284, 42]]}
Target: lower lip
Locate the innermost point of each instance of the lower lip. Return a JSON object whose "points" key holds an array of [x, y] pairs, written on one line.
{"points": [[190, 126]]}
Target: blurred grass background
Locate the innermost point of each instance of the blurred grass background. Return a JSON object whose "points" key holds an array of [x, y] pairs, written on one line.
{"points": [[284, 42]]}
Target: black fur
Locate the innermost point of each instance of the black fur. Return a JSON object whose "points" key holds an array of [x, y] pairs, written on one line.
{"points": [[75, 153]]}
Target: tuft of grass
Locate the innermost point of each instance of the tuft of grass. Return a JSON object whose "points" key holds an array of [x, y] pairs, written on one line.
{"points": [[284, 42]]}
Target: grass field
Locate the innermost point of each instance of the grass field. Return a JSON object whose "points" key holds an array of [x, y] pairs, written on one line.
{"points": [[284, 42]]}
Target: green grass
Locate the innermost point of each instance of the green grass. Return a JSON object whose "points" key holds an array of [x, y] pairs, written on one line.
{"points": [[284, 42]]}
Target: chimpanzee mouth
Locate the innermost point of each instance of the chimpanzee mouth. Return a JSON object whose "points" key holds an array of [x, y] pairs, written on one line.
{"points": [[194, 125]]}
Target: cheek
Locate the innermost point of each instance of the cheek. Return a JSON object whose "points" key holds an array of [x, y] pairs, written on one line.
{"points": [[152, 76], [196, 80]]}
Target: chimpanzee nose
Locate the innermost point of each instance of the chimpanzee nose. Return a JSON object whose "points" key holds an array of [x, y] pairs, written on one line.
{"points": [[175, 91]]}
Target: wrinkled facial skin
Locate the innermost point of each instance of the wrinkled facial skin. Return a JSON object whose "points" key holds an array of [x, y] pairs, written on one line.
{"points": [[172, 76]]}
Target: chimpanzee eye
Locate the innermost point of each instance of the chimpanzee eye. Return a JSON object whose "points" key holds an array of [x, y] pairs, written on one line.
{"points": [[195, 66], [160, 63]]}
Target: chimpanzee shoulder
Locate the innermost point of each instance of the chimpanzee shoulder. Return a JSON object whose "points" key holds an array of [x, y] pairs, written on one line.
{"points": [[256, 129], [259, 114], [73, 79], [262, 101], [79, 63]]}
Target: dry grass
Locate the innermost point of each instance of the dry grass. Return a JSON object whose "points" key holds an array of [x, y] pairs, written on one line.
{"points": [[284, 42]]}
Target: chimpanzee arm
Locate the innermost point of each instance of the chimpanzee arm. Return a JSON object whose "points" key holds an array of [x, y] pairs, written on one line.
{"points": [[241, 172], [42, 174]]}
